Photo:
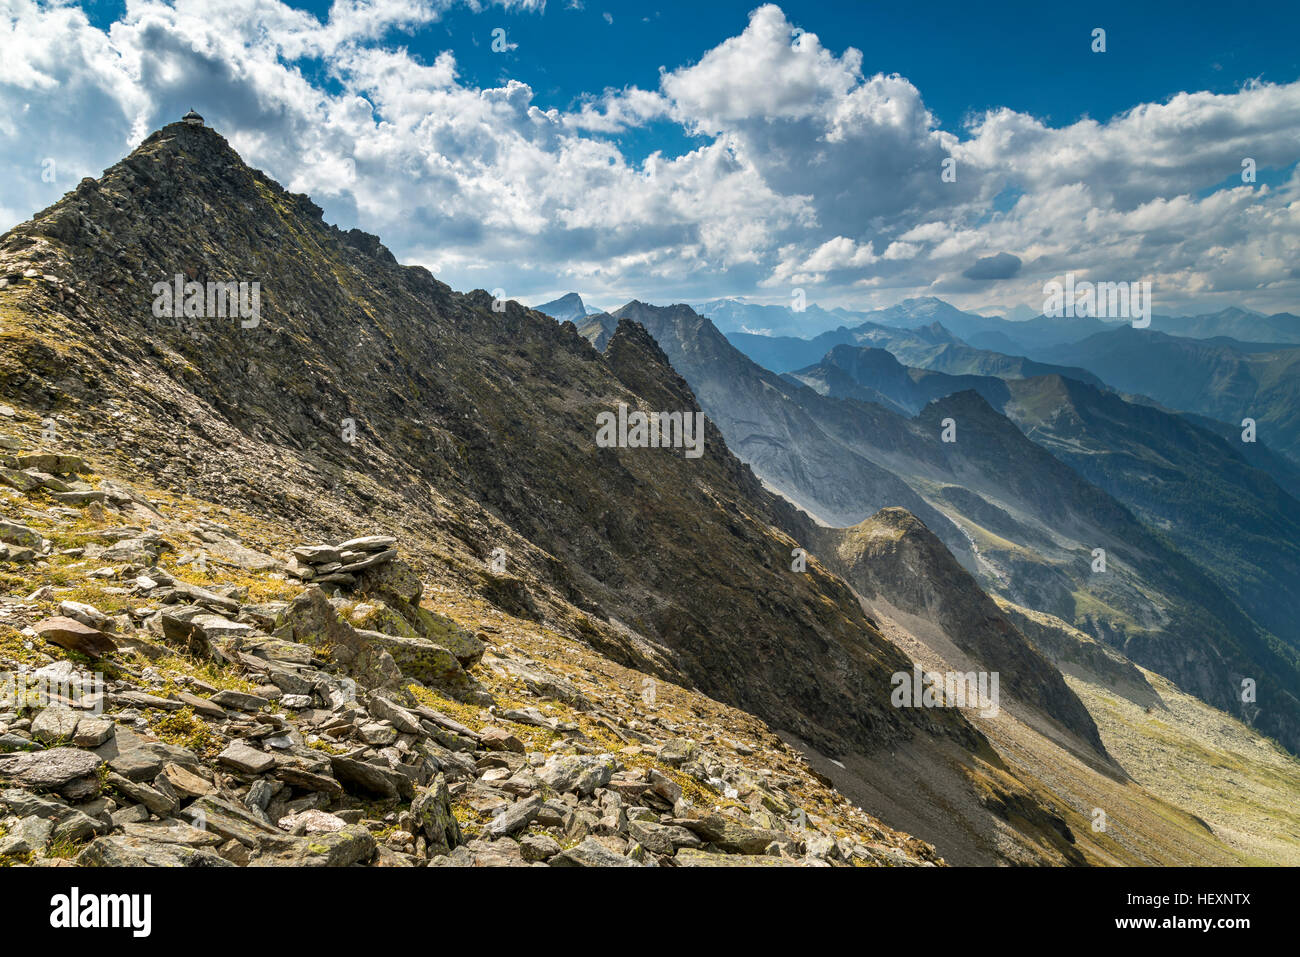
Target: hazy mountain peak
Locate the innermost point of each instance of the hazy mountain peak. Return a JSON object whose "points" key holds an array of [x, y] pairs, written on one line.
{"points": [[568, 307]]}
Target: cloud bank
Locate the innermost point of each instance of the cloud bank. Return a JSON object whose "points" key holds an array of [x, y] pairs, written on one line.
{"points": [[808, 170]]}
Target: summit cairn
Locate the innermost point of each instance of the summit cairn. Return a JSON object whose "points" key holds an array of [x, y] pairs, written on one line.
{"points": [[339, 564]]}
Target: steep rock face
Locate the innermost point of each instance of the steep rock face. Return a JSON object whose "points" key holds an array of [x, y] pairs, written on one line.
{"points": [[1078, 654], [568, 308], [774, 432], [894, 556], [369, 391]]}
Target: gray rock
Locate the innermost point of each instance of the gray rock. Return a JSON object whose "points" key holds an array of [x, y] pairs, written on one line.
{"points": [[139, 759], [368, 543], [370, 561], [591, 853], [55, 725], [125, 851], [538, 847], [69, 823], [732, 836], [48, 770], [353, 844], [246, 759], [142, 699], [229, 820], [132, 814], [86, 614], [514, 818], [433, 817], [12, 533], [690, 857], [172, 831], [29, 836], [316, 554], [158, 801], [662, 838], [239, 700], [10, 743], [366, 778], [92, 731], [311, 822], [387, 710], [582, 773]]}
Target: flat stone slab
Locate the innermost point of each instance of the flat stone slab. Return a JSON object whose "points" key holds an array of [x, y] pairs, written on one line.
{"points": [[48, 770], [368, 543], [75, 636], [243, 757]]}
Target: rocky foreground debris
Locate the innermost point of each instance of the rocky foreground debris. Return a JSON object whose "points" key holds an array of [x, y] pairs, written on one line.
{"points": [[194, 724]]}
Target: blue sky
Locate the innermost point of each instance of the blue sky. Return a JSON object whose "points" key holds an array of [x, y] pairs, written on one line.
{"points": [[966, 57], [682, 151]]}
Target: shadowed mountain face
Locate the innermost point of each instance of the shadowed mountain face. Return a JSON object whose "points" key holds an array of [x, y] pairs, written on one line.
{"points": [[875, 375], [1222, 379], [568, 308], [595, 327], [471, 429], [772, 425], [930, 347], [893, 557], [1032, 523], [1228, 517]]}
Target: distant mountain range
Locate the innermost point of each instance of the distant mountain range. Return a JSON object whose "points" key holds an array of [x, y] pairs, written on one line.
{"points": [[1013, 331], [1178, 477]]}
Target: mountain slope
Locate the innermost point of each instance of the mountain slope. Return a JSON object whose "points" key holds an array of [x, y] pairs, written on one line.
{"points": [[1232, 323], [473, 428], [774, 435], [1032, 523], [1220, 379], [1175, 476], [568, 308], [893, 558], [930, 347]]}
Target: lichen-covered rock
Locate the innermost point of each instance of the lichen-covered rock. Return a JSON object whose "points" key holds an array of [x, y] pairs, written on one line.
{"points": [[432, 814]]}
